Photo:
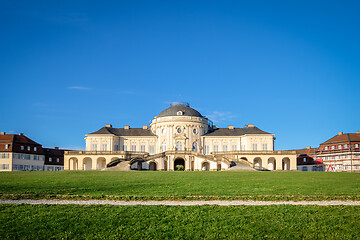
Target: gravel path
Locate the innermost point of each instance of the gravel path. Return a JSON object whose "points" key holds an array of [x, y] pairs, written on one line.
{"points": [[180, 203]]}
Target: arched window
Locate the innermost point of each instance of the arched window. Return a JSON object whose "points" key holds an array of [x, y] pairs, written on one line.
{"points": [[163, 147], [178, 146], [194, 146]]}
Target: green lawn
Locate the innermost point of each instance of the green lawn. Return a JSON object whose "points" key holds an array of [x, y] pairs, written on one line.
{"points": [[165, 222], [152, 185]]}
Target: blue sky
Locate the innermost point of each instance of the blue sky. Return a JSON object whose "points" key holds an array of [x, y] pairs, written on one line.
{"points": [[67, 68]]}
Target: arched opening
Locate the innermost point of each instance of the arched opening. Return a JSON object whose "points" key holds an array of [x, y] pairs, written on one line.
{"points": [[152, 166], [286, 163], [101, 163], [179, 164], [178, 146], [194, 146], [272, 163], [205, 166], [87, 163], [219, 167], [73, 164], [257, 162]]}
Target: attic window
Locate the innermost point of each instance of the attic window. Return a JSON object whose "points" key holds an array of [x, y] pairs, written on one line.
{"points": [[179, 113], [6, 146]]}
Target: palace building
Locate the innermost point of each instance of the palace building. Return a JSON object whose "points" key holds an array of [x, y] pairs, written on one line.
{"points": [[180, 138]]}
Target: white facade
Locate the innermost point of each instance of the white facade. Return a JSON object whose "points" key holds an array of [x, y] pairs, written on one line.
{"points": [[178, 132]]}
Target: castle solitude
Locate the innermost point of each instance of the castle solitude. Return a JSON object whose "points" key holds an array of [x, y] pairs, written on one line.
{"points": [[180, 138]]}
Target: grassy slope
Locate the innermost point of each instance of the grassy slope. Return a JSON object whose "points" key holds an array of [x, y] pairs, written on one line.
{"points": [[99, 183], [154, 222]]}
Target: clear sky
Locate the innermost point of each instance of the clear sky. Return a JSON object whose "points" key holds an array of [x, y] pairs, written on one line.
{"points": [[67, 68]]}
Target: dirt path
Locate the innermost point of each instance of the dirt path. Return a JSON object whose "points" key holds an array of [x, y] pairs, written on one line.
{"points": [[180, 203]]}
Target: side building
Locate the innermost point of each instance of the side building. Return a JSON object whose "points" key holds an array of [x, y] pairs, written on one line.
{"points": [[180, 137], [306, 160], [341, 152], [20, 153]]}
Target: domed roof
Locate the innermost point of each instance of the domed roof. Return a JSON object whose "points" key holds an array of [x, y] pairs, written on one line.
{"points": [[179, 109]]}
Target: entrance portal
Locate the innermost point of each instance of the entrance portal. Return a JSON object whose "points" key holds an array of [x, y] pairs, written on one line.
{"points": [[179, 164]]}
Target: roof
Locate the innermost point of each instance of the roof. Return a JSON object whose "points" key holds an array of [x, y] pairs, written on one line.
{"points": [[235, 131], [343, 138], [125, 132], [12, 138], [306, 151], [175, 108]]}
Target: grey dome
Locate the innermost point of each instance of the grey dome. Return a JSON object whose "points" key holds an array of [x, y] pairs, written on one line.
{"points": [[185, 109]]}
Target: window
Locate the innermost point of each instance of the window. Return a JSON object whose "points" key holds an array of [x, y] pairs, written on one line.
{"points": [[28, 148], [254, 147], [216, 148], [304, 159], [4, 166], [356, 145], [94, 147], [152, 149], [163, 147], [178, 146], [142, 148], [22, 147], [179, 130], [207, 150], [6, 146], [104, 147], [195, 131], [57, 160], [233, 147], [332, 147], [35, 149], [36, 157], [339, 147], [345, 146], [133, 148], [194, 146], [4, 155], [265, 147], [326, 148], [50, 159], [124, 147], [116, 147], [242, 147], [224, 148]]}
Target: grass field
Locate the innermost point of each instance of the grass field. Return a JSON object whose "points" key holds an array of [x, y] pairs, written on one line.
{"points": [[181, 185], [164, 222]]}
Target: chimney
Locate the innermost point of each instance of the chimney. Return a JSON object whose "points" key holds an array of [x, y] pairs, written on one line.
{"points": [[250, 125], [57, 148], [357, 132], [308, 147], [231, 126], [126, 127], [340, 133], [21, 134], [108, 125], [3, 133], [145, 127]]}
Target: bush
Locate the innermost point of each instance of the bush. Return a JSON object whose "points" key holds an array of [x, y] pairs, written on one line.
{"points": [[179, 168]]}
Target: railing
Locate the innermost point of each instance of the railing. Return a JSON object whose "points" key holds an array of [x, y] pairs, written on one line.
{"points": [[331, 151], [105, 152], [253, 152]]}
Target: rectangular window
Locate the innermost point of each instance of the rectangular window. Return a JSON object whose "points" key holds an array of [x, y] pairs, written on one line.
{"points": [[57, 160], [345, 146], [254, 147], [4, 155], [94, 147], [207, 150], [4, 166], [304, 159], [152, 149], [116, 147], [216, 148], [6, 146], [233, 148], [50, 159], [265, 147], [104, 147], [224, 148], [124, 147], [35, 149], [22, 147], [356, 145], [27, 156], [242, 147], [142, 148], [133, 148], [28, 148], [339, 147]]}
